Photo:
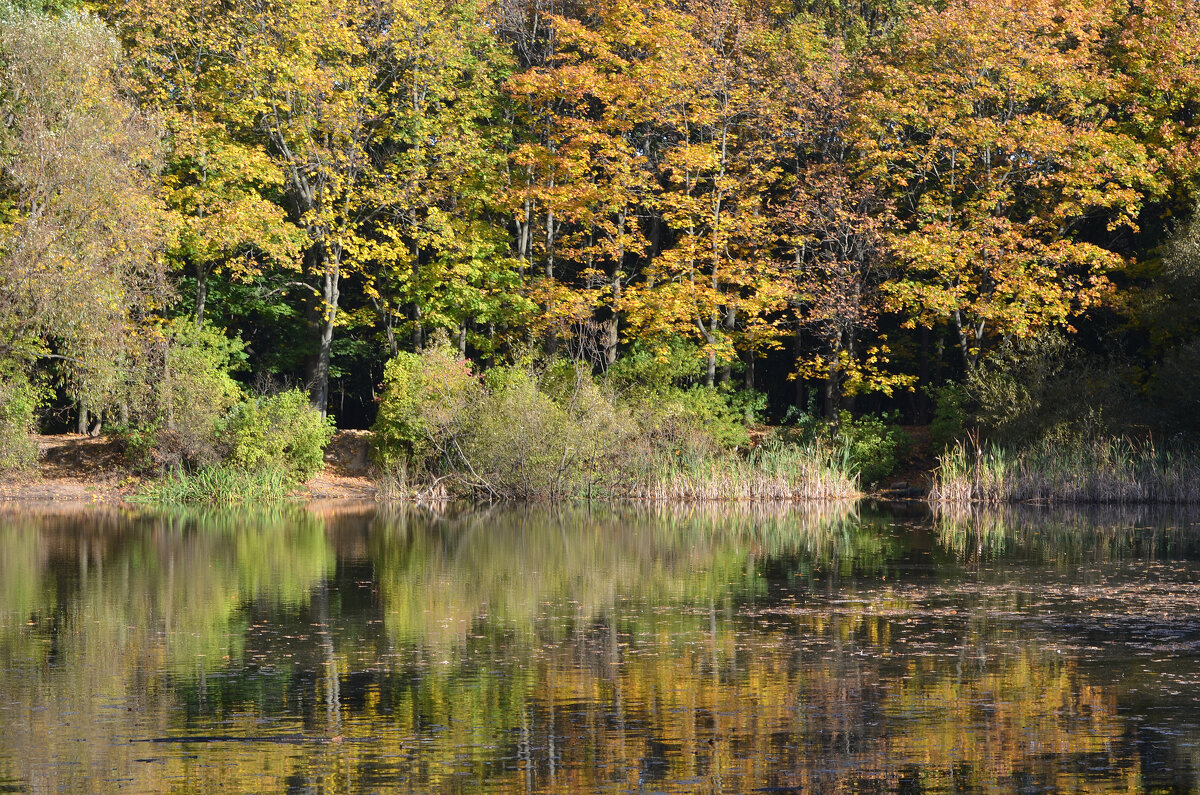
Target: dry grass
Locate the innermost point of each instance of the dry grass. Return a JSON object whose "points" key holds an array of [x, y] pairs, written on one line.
{"points": [[1112, 471], [780, 474]]}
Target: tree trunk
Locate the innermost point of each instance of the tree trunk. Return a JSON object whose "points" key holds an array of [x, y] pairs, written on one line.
{"points": [[831, 390], [965, 333], [797, 352], [923, 378], [848, 401], [612, 328], [730, 325], [81, 426], [329, 309], [415, 314], [201, 292]]}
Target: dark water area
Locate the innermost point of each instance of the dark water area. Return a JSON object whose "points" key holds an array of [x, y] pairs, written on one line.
{"points": [[839, 649]]}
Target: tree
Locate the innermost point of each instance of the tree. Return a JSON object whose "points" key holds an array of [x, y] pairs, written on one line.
{"points": [[220, 181], [442, 258], [81, 228], [988, 125]]}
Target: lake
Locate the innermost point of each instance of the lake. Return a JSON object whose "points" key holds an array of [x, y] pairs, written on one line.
{"points": [[842, 648]]}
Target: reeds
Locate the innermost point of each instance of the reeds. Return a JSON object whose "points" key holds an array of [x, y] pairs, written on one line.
{"points": [[396, 484], [220, 485], [776, 473], [1109, 470]]}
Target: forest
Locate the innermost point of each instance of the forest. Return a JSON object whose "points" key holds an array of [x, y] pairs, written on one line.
{"points": [[451, 219]]}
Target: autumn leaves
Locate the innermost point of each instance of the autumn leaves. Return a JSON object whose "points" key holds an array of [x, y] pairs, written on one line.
{"points": [[583, 176]]}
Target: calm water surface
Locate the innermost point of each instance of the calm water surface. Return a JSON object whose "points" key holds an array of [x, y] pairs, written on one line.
{"points": [[628, 650]]}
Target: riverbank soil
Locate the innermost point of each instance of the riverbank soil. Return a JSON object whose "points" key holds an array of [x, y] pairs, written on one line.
{"points": [[346, 474], [86, 469], [73, 468]]}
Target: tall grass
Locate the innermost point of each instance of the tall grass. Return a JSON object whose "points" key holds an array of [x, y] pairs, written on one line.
{"points": [[773, 473], [221, 485], [1109, 470], [394, 483]]}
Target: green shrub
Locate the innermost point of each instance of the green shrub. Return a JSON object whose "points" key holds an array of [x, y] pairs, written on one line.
{"points": [[424, 405], [660, 389], [280, 432], [641, 371], [197, 392], [869, 446], [873, 445], [949, 416], [725, 414], [518, 445], [1028, 389], [19, 402], [140, 443], [550, 435]]}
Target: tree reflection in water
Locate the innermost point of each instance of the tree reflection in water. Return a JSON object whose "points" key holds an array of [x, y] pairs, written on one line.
{"points": [[588, 649]]}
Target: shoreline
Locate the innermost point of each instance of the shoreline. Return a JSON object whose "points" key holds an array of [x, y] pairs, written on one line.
{"points": [[85, 470], [79, 470]]}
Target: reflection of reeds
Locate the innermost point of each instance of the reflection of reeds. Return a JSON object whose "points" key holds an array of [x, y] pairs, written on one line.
{"points": [[1067, 533], [783, 473], [1099, 470]]}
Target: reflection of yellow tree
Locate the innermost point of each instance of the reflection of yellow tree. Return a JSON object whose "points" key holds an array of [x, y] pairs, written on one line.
{"points": [[578, 650], [710, 707]]}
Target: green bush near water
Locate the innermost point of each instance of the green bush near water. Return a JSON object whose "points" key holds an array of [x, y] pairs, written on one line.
{"points": [[663, 391], [870, 446], [426, 398], [277, 433], [196, 394], [209, 443], [557, 432]]}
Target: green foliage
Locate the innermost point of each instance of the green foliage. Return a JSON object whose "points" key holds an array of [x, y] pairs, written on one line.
{"points": [[544, 435], [80, 225], [869, 446], [660, 389], [642, 370], [424, 405], [277, 433], [140, 443], [555, 432], [873, 444], [1027, 390], [949, 415], [197, 391], [221, 484], [19, 402], [176, 421]]}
